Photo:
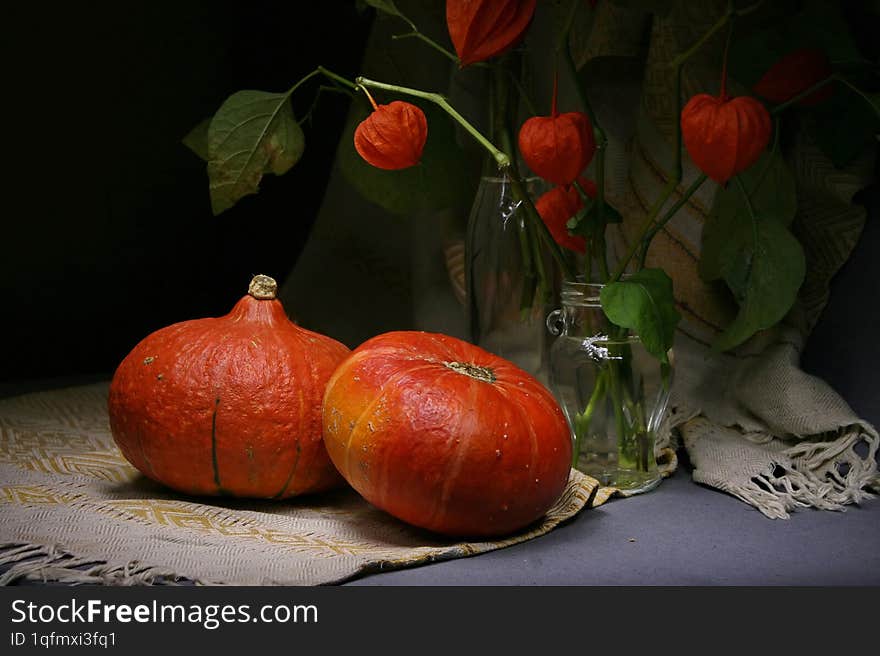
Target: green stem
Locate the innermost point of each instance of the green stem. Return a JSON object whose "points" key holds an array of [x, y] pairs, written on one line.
{"points": [[601, 145], [781, 107], [502, 159], [750, 208], [333, 76], [719, 25], [672, 184], [864, 96], [746, 198], [658, 226], [521, 195], [583, 420], [421, 37]]}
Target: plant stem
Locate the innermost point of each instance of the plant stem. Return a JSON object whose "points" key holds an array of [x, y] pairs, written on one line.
{"points": [[336, 78], [654, 211], [652, 232], [750, 207], [601, 144], [436, 46], [864, 96], [521, 195], [781, 107], [583, 420], [501, 159], [719, 25]]}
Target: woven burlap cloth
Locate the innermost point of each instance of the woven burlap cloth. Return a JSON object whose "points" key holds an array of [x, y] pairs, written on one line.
{"points": [[73, 510]]}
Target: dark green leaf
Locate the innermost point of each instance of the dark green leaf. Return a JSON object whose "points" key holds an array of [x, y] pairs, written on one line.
{"points": [[443, 178], [771, 187], [197, 139], [586, 222], [644, 302], [386, 7], [253, 132], [765, 272]]}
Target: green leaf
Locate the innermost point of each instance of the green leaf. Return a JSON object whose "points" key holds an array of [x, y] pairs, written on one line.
{"points": [[197, 139], [773, 194], [644, 302], [765, 273], [586, 222], [253, 132], [443, 178], [386, 7]]}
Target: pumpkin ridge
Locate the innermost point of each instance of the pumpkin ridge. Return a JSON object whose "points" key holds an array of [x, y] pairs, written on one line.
{"points": [[380, 395], [214, 463], [453, 466], [292, 472], [525, 417]]}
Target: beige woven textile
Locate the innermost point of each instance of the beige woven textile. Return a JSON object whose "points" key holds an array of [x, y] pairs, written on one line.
{"points": [[72, 509]]}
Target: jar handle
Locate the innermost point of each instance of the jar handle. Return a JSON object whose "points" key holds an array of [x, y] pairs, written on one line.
{"points": [[555, 322]]}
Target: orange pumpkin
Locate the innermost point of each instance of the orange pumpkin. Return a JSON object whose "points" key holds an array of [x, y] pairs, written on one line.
{"points": [[446, 436], [230, 405]]}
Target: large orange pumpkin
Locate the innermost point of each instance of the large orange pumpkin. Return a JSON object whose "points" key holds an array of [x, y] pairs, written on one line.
{"points": [[230, 405], [446, 436]]}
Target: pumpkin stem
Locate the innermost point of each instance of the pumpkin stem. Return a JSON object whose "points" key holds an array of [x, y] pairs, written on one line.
{"points": [[263, 288], [478, 373]]}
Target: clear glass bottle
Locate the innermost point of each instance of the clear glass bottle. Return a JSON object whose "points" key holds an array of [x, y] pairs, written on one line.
{"points": [[510, 277], [613, 392]]}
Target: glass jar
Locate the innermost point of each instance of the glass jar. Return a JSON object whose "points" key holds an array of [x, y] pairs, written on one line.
{"points": [[613, 392], [510, 277]]}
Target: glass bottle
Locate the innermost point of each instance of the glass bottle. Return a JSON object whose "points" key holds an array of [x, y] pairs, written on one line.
{"points": [[613, 392], [510, 277]]}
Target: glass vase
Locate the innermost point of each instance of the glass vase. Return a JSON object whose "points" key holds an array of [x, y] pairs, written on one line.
{"points": [[613, 392], [510, 275]]}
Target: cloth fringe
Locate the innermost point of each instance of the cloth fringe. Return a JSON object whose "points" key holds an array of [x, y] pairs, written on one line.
{"points": [[51, 563], [776, 478]]}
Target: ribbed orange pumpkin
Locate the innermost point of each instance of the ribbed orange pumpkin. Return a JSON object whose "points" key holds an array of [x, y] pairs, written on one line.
{"points": [[446, 436], [724, 136], [230, 405]]}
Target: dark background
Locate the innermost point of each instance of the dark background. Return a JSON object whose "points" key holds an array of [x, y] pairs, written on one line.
{"points": [[107, 227]]}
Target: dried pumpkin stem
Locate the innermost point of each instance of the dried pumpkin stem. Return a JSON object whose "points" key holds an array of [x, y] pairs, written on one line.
{"points": [[501, 158]]}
